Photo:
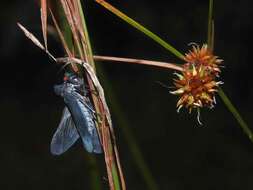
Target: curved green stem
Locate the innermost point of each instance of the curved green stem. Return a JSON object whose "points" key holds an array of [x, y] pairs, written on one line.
{"points": [[236, 114], [141, 28], [224, 97]]}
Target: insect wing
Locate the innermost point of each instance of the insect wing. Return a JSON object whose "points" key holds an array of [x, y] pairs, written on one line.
{"points": [[66, 134], [92, 137]]}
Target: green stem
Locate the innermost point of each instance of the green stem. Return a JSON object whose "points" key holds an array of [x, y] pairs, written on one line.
{"points": [[94, 172], [210, 25], [141, 28], [236, 114], [115, 177], [124, 126], [224, 97], [65, 28], [115, 172]]}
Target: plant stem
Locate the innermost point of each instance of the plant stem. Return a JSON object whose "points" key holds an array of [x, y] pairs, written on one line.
{"points": [[91, 160], [236, 114], [210, 25], [129, 137], [94, 172], [223, 96], [113, 167], [141, 28], [139, 61], [86, 33]]}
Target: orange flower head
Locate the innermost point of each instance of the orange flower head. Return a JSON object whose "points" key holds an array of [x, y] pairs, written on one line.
{"points": [[197, 84], [203, 57]]}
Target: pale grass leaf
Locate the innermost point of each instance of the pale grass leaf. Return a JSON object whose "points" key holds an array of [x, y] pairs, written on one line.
{"points": [[31, 37]]}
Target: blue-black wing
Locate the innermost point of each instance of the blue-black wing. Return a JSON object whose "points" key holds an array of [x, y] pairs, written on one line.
{"points": [[89, 135], [66, 134]]}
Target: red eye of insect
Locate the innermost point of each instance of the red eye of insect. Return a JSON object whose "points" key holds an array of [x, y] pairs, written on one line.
{"points": [[65, 78]]}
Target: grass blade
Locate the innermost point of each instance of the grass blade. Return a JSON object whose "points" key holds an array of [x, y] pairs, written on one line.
{"points": [[30, 36], [141, 28], [236, 114], [114, 170], [165, 65], [71, 21], [95, 182], [63, 41], [44, 20], [86, 34], [210, 27], [223, 96], [133, 147]]}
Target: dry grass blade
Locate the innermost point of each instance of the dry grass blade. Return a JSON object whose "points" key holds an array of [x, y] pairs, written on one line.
{"points": [[30, 36], [74, 9], [139, 61], [77, 18], [108, 161], [64, 43], [79, 24], [113, 166], [67, 5], [44, 20]]}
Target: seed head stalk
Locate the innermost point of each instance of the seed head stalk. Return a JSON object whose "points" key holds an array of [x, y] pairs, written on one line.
{"points": [[210, 43]]}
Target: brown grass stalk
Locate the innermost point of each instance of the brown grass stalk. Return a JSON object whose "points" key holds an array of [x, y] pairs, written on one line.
{"points": [[164, 65]]}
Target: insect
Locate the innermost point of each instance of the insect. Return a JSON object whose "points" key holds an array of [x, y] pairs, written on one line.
{"points": [[78, 117]]}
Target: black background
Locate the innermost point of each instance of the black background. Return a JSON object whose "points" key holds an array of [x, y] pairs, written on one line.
{"points": [[180, 153]]}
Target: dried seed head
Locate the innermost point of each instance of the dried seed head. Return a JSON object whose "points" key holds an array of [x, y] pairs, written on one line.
{"points": [[197, 84]]}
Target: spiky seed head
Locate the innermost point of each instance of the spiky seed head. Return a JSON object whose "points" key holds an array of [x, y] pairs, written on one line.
{"points": [[197, 84]]}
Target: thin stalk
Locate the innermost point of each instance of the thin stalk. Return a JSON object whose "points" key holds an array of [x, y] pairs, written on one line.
{"points": [[165, 65], [210, 25], [91, 161], [115, 177], [223, 96], [95, 182], [129, 137], [141, 28], [43, 9], [236, 114], [114, 168], [65, 28], [86, 33]]}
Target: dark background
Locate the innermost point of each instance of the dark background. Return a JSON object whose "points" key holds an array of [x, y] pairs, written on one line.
{"points": [[180, 153]]}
